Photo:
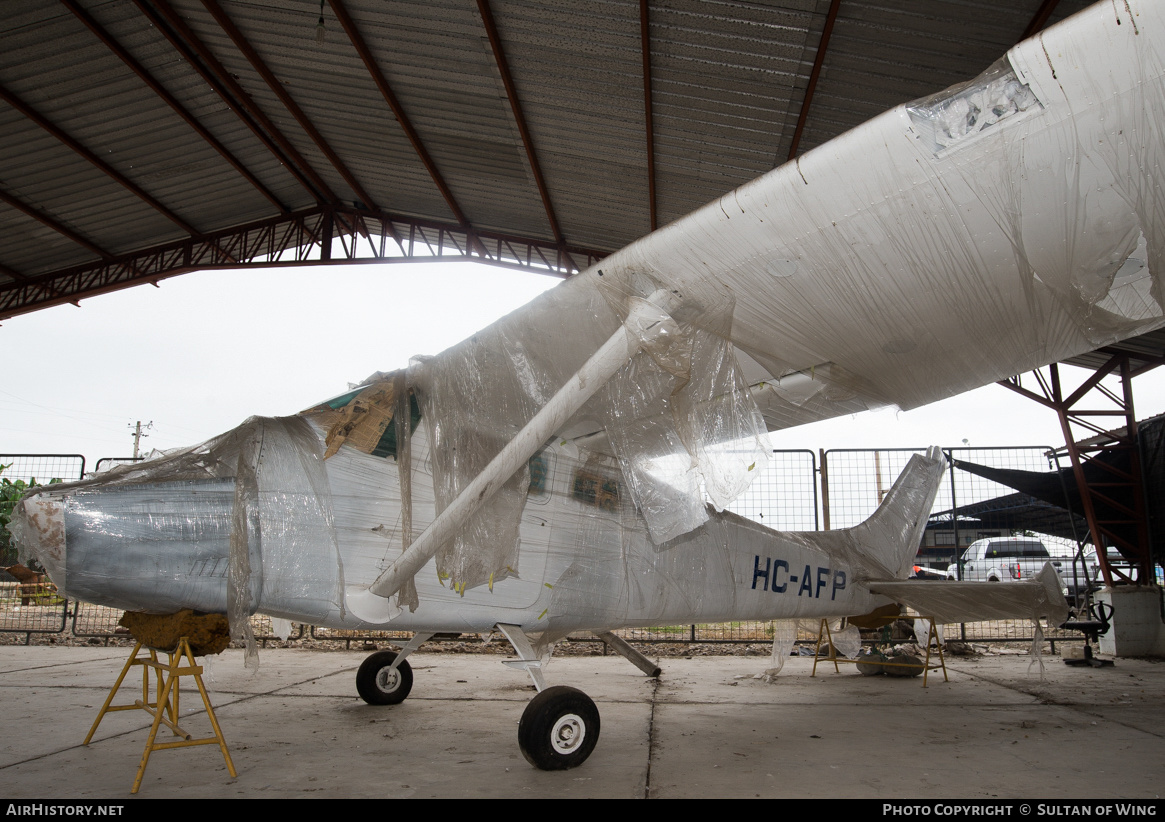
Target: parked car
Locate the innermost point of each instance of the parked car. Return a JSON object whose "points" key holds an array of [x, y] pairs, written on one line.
{"points": [[1006, 559]]}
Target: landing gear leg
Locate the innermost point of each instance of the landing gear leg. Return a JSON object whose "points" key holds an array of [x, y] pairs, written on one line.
{"points": [[560, 726], [630, 654]]}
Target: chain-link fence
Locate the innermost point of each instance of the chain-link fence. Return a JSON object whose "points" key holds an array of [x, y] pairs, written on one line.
{"points": [[19, 471], [784, 497], [32, 607], [969, 506]]}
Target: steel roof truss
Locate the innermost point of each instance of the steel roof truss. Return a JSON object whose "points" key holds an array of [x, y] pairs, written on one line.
{"points": [[296, 239], [80, 150], [495, 42], [648, 125], [397, 109]]}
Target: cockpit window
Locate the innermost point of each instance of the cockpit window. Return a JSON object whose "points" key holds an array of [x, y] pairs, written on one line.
{"points": [[336, 403], [363, 417], [387, 445]]}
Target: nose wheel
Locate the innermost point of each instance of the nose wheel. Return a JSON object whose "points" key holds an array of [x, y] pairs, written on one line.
{"points": [[379, 683], [559, 729]]}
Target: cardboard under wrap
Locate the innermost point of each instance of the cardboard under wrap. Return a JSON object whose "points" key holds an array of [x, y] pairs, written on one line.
{"points": [[362, 422]]}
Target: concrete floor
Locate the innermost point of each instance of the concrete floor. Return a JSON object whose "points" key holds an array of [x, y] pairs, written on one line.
{"points": [[706, 728]]}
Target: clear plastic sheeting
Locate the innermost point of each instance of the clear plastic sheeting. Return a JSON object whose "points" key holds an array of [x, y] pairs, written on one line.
{"points": [[474, 404], [947, 601], [784, 636], [847, 640], [281, 628], [680, 416], [964, 111], [915, 276], [402, 422], [870, 271], [808, 396], [219, 527]]}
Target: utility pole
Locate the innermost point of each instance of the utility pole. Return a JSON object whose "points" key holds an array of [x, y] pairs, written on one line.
{"points": [[137, 435]]}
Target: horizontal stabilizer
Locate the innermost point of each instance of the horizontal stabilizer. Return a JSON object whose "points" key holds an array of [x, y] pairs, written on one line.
{"points": [[946, 602]]}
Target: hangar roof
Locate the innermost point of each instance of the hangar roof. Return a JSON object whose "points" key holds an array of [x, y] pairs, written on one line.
{"points": [[144, 138]]}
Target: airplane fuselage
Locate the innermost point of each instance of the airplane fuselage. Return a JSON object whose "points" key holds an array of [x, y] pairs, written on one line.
{"points": [[585, 559]]}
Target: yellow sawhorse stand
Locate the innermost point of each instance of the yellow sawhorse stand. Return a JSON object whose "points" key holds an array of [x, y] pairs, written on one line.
{"points": [[823, 633], [165, 707]]}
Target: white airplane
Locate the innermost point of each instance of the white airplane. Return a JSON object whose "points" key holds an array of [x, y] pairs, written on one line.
{"points": [[551, 473]]}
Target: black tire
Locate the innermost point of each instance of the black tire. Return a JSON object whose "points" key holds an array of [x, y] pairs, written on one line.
{"points": [[379, 684], [559, 729]]}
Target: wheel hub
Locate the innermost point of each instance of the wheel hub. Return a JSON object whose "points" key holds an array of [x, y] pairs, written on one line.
{"points": [[568, 733], [388, 680]]}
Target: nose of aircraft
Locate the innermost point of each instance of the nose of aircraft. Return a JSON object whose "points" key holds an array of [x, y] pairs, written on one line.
{"points": [[156, 547], [241, 521]]}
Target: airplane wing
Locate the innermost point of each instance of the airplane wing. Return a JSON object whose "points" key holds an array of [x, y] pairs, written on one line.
{"points": [[1011, 221]]}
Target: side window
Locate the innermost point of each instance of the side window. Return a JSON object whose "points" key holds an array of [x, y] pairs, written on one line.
{"points": [[592, 488], [541, 474]]}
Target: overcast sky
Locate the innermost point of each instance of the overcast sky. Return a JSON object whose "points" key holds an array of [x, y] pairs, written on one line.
{"points": [[204, 351]]}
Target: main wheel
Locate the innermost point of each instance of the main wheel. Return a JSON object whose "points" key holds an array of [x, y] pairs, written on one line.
{"points": [[559, 729], [381, 684]]}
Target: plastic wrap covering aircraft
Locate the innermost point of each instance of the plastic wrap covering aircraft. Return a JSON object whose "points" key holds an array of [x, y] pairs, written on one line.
{"points": [[551, 474]]}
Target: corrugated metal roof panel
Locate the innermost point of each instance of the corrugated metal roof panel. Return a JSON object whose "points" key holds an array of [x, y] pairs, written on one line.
{"points": [[729, 82]]}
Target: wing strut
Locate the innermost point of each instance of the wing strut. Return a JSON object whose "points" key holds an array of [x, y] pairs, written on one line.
{"points": [[647, 320]]}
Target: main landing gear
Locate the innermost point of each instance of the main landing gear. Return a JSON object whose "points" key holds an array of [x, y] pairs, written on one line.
{"points": [[559, 729]]}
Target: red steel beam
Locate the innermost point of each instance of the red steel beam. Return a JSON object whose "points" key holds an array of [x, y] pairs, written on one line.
{"points": [[247, 50], [495, 42], [295, 239], [1054, 398], [818, 61], [24, 278], [140, 70], [1039, 19], [649, 126]]}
